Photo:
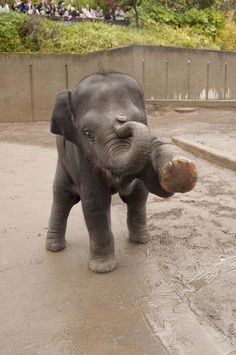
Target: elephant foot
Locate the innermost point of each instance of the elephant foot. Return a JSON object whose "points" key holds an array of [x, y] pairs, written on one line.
{"points": [[53, 244], [141, 238], [179, 175], [102, 265]]}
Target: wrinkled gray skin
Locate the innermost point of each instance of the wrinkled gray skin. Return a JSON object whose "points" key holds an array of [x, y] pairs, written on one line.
{"points": [[104, 147]]}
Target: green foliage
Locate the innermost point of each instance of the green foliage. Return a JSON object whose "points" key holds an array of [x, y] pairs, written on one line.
{"points": [[82, 3], [150, 10], [185, 27], [9, 32], [208, 21], [227, 38], [182, 5], [204, 4], [35, 34]]}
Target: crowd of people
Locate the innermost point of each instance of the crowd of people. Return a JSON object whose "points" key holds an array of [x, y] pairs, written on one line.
{"points": [[60, 10]]}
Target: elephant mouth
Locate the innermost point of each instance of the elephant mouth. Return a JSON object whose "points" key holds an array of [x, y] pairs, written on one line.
{"points": [[113, 180], [128, 151]]}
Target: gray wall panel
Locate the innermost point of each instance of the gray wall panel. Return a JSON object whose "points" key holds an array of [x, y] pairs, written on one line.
{"points": [[15, 89], [29, 83]]}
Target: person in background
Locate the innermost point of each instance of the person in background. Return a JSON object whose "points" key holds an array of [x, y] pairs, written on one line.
{"points": [[72, 9], [53, 7], [87, 12], [16, 5], [43, 8], [66, 15], [4, 7], [32, 10], [119, 14], [98, 14], [24, 6], [81, 14], [62, 9], [109, 15]]}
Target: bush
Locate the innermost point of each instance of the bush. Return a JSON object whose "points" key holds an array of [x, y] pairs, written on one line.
{"points": [[9, 32], [156, 12], [227, 38], [207, 21], [36, 33]]}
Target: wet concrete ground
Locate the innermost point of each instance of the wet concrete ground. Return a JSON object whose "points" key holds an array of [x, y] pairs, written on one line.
{"points": [[175, 295]]}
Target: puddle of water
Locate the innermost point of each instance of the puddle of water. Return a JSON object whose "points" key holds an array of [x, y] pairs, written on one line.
{"points": [[224, 265], [198, 284]]}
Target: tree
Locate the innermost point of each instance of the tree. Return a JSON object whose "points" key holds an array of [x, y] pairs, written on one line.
{"points": [[134, 4]]}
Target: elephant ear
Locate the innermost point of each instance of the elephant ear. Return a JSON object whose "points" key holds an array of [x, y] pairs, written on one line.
{"points": [[62, 121]]}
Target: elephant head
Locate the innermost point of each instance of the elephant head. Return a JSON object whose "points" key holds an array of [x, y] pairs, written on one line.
{"points": [[105, 117]]}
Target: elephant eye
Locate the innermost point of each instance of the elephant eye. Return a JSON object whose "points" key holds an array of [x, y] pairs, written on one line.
{"points": [[88, 134], [86, 131]]}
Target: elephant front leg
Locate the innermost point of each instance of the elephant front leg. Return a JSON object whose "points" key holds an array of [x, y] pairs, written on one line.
{"points": [[136, 213], [96, 202], [102, 251]]}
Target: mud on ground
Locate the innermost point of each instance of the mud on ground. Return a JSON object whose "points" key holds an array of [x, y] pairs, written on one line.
{"points": [[175, 295]]}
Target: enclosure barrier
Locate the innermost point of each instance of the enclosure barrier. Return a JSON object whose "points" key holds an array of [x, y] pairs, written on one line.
{"points": [[29, 82]]}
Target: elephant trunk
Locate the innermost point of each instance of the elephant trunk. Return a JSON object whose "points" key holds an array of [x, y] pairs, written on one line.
{"points": [[176, 173], [128, 153], [168, 171]]}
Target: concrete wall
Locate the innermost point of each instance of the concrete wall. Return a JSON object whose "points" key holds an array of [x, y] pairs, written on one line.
{"points": [[30, 82], [185, 74]]}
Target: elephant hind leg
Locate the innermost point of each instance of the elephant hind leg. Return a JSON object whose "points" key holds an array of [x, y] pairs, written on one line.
{"points": [[64, 198], [136, 213]]}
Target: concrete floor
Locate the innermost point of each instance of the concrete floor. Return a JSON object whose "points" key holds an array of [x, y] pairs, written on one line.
{"points": [[175, 295]]}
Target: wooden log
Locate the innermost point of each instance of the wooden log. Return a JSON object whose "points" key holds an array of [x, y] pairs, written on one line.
{"points": [[176, 172]]}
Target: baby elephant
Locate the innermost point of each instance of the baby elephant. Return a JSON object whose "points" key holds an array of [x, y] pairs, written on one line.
{"points": [[104, 146]]}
